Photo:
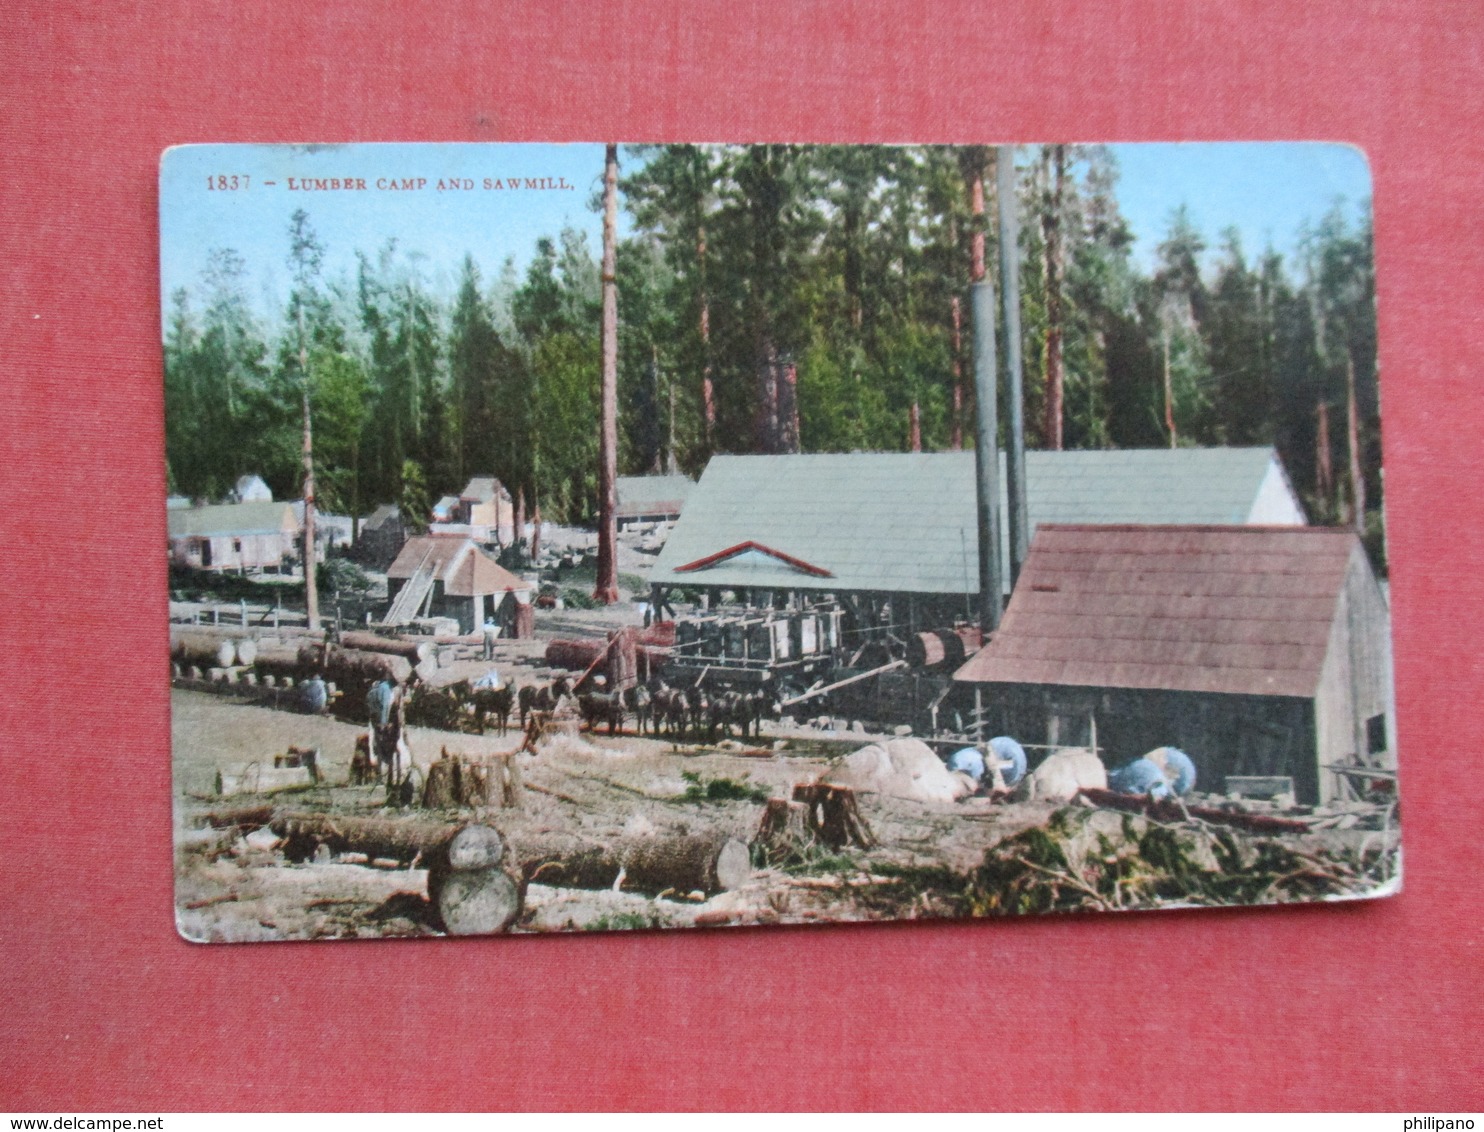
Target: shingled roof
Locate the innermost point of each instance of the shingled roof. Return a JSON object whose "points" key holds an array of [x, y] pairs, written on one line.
{"points": [[652, 495], [1244, 610], [237, 519], [457, 562], [905, 522]]}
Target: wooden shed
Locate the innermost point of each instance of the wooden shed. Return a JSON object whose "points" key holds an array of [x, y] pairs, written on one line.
{"points": [[1261, 651], [442, 575], [241, 537]]}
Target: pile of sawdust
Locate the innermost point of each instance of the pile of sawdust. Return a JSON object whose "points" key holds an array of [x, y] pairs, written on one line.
{"points": [[1061, 775], [901, 768]]}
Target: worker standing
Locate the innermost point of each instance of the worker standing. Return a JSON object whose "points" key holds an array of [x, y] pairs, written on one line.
{"points": [[491, 631]]}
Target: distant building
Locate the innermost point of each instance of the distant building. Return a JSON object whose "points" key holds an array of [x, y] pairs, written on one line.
{"points": [[1257, 650], [245, 537], [902, 528], [483, 511], [446, 509], [381, 537], [443, 575], [252, 489], [651, 499]]}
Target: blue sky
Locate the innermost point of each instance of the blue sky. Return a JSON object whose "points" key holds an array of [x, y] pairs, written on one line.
{"points": [[439, 225], [1267, 190]]}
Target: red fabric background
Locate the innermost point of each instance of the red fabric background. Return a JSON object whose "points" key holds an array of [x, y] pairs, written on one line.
{"points": [[1362, 1006]]}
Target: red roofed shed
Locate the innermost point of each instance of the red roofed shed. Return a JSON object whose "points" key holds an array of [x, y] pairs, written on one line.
{"points": [[1257, 650], [450, 575]]}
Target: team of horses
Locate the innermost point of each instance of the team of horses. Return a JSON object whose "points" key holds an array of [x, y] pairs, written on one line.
{"points": [[655, 708]]}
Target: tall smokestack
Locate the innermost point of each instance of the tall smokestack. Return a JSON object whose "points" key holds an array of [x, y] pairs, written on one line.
{"points": [[987, 455], [1020, 535]]}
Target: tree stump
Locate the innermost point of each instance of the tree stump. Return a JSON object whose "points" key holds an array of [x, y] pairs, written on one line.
{"points": [[439, 789], [832, 815], [784, 830]]}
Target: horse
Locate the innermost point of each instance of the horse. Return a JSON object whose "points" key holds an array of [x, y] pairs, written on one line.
{"points": [[544, 698], [601, 707], [672, 710], [638, 700], [496, 702]]}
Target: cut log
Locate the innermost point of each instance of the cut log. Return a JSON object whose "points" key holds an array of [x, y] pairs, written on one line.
{"points": [[470, 893], [204, 651], [475, 847], [404, 841], [476, 902], [414, 652], [277, 662], [250, 817], [679, 862], [258, 778], [351, 666], [580, 655]]}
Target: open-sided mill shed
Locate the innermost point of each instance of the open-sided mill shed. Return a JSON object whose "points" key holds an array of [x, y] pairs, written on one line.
{"points": [[1259, 651], [895, 534]]}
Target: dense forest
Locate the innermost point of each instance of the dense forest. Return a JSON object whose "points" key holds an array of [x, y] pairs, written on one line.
{"points": [[781, 298]]}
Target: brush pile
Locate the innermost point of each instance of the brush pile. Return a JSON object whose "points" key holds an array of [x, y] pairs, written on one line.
{"points": [[1090, 859]]}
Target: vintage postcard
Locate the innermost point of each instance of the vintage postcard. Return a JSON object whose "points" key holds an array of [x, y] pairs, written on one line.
{"points": [[588, 537]]}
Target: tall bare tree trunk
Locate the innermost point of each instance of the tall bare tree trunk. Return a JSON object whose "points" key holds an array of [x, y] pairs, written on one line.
{"points": [[518, 520], [956, 424], [1169, 393], [788, 405], [1357, 475], [605, 590], [1056, 160], [708, 394], [1324, 472], [311, 583], [914, 428]]}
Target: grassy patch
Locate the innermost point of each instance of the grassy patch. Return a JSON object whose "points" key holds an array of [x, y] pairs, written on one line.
{"points": [[700, 789]]}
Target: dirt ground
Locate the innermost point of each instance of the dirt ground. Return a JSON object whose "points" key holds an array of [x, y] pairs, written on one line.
{"points": [[582, 790]]}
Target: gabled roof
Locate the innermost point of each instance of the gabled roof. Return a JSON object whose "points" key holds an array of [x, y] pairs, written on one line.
{"points": [[231, 519], [482, 489], [906, 522], [652, 495], [458, 562], [252, 489], [1244, 610], [384, 514]]}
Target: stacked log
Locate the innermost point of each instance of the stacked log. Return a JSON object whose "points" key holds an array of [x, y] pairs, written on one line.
{"points": [[350, 667], [206, 649], [278, 663], [579, 655], [414, 652], [470, 893]]}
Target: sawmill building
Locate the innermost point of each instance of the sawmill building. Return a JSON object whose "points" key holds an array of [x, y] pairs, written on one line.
{"points": [[1259, 651], [900, 530]]}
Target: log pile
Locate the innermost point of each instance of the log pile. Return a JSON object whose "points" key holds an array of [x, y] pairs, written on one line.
{"points": [[414, 652], [203, 648], [582, 654], [469, 890]]}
